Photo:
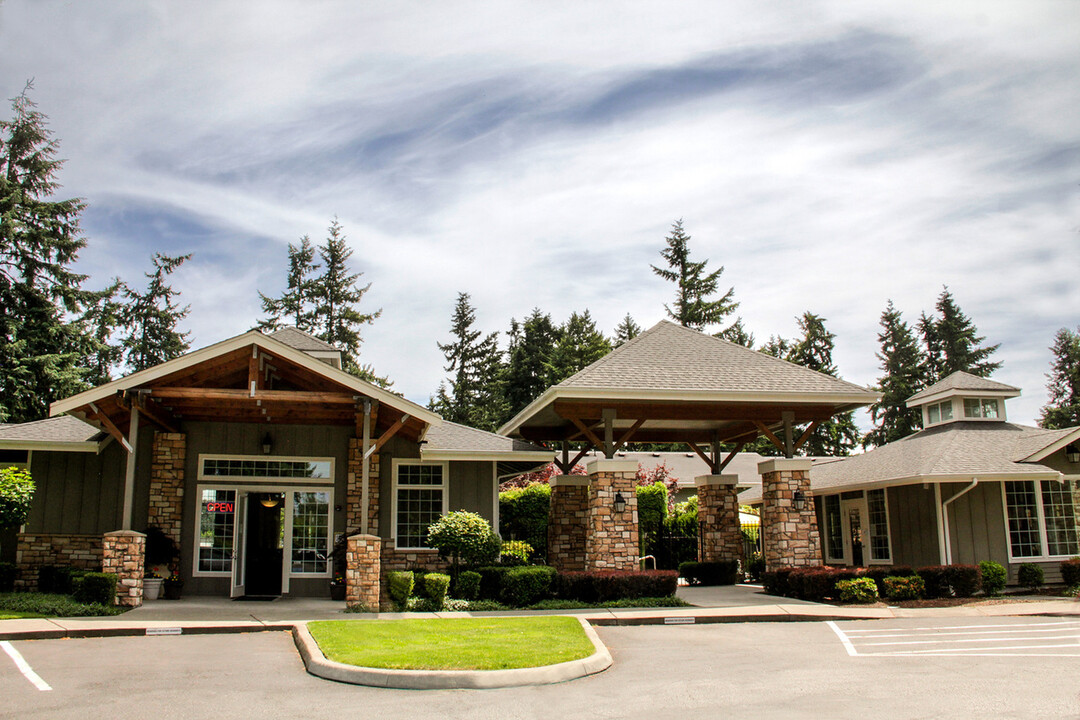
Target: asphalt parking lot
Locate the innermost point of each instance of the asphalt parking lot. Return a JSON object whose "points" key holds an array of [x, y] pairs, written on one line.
{"points": [[760, 670]]}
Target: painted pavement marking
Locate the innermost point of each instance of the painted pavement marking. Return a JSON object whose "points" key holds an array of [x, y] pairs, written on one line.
{"points": [[24, 667], [1009, 640]]}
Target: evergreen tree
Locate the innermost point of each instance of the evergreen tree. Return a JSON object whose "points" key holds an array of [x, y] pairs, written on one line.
{"points": [[776, 346], [579, 345], [952, 342], [104, 314], [838, 435], [150, 318], [473, 395], [531, 346], [1062, 409], [40, 238], [296, 306], [692, 307], [901, 363], [738, 334], [626, 330]]}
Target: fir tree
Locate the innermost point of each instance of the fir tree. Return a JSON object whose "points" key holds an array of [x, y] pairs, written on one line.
{"points": [[579, 345], [150, 318], [738, 334], [472, 396], [626, 331], [103, 316], [901, 363], [692, 307], [952, 342], [296, 305], [531, 346], [1062, 409], [838, 435], [40, 238]]}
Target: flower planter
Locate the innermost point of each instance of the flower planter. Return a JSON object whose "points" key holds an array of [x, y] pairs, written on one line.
{"points": [[152, 588], [173, 590], [337, 592]]}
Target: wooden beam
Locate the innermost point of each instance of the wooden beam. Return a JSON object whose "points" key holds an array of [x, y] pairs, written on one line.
{"points": [[769, 434], [587, 432], [730, 457], [766, 412], [806, 434], [253, 370], [155, 414], [390, 432], [629, 434], [227, 394], [708, 460], [110, 427]]}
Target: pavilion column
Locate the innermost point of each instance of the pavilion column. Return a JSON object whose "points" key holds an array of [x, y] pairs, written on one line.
{"points": [[718, 518], [612, 539], [568, 522], [789, 537]]}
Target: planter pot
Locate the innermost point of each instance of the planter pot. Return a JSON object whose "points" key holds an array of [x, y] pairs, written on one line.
{"points": [[337, 592], [172, 591], [152, 588]]}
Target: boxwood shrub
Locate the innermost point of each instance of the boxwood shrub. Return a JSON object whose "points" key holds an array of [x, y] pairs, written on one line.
{"points": [[1070, 572], [527, 584], [599, 586], [725, 572], [435, 588], [467, 585], [401, 586], [965, 580], [54, 579], [994, 577], [491, 581], [1031, 576], [935, 581], [95, 589]]}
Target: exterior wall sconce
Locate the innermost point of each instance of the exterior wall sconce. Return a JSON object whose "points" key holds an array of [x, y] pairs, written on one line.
{"points": [[267, 444], [1072, 453], [798, 500], [620, 502]]}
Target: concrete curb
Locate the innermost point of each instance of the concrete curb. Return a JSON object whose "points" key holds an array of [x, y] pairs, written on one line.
{"points": [[317, 664]]}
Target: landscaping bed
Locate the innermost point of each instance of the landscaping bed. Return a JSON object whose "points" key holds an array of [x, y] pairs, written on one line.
{"points": [[34, 604]]}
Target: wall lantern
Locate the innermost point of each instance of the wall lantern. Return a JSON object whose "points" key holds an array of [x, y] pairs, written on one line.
{"points": [[267, 444], [1072, 453], [798, 500], [269, 500], [620, 502]]}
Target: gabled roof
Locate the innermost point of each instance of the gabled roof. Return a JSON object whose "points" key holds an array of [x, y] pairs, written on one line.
{"points": [[961, 382], [296, 338], [65, 432], [451, 439]]}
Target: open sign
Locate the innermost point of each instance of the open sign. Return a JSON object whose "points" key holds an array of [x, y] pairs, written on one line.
{"points": [[219, 507]]}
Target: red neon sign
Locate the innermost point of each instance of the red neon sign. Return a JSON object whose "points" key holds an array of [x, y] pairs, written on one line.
{"points": [[222, 507]]}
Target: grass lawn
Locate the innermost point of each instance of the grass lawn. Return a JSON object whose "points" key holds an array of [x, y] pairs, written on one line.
{"points": [[9, 615], [458, 644]]}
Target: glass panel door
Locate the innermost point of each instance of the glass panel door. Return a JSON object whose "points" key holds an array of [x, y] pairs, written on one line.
{"points": [[239, 546]]}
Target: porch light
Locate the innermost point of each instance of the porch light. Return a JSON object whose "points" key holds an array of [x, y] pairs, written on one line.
{"points": [[269, 501], [620, 502], [267, 444], [1072, 453], [798, 500]]}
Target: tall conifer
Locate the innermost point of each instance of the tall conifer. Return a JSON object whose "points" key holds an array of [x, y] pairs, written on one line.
{"points": [[902, 366], [1062, 409], [692, 307]]}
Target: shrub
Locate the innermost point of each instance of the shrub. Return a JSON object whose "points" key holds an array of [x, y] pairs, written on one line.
{"points": [[652, 505], [467, 585], [725, 572], [1070, 571], [525, 585], [523, 515], [1031, 576], [756, 568], [879, 572], [903, 588], [435, 587], [16, 492], [965, 580], [857, 590], [994, 577], [486, 605], [602, 586], [935, 580], [96, 589], [54, 579], [818, 583], [53, 605], [777, 582], [515, 552], [401, 586], [160, 548], [8, 572], [491, 581], [464, 537]]}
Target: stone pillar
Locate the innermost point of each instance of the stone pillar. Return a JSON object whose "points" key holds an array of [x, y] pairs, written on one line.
{"points": [[568, 522], [612, 539], [122, 554], [789, 537], [167, 483], [362, 571], [718, 518], [354, 500]]}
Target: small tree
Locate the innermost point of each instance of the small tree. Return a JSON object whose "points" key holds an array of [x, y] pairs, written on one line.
{"points": [[464, 537], [16, 492]]}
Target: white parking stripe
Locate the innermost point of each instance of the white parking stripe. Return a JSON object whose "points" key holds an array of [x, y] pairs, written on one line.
{"points": [[843, 638], [953, 641], [967, 651], [928, 633], [24, 667], [1030, 639], [975, 627]]}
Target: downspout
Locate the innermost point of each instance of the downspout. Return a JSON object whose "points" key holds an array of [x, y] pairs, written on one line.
{"points": [[364, 472], [945, 517]]}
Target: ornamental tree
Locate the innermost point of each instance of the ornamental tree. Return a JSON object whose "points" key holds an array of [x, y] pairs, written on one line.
{"points": [[16, 492], [464, 537]]}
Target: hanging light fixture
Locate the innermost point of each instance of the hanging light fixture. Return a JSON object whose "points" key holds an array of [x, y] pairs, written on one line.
{"points": [[269, 500], [620, 502], [267, 444]]}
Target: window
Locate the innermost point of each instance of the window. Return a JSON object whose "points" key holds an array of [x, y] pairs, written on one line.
{"points": [[880, 550], [250, 467], [980, 408], [310, 531], [834, 529], [217, 509], [419, 497], [939, 412], [1041, 519]]}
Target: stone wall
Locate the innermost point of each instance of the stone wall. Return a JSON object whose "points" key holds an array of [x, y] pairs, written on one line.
{"points": [[568, 522], [362, 571], [789, 537], [32, 551], [122, 555], [167, 483], [394, 559], [354, 505], [612, 539], [718, 518]]}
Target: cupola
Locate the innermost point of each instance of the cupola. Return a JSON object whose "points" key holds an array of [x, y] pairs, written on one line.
{"points": [[963, 396]]}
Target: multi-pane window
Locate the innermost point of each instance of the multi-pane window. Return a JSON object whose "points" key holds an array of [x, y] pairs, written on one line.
{"points": [[834, 528], [980, 408], [419, 502], [217, 509], [879, 525], [1041, 520], [939, 412], [236, 467], [310, 531]]}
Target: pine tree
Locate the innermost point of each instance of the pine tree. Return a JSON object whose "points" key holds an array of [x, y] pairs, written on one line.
{"points": [[952, 342], [1062, 409], [692, 307], [150, 318], [40, 348], [626, 331], [901, 363], [472, 396], [296, 305], [531, 346], [838, 435], [102, 318], [738, 334], [579, 345]]}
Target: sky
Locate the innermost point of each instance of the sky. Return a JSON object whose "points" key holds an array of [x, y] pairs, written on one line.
{"points": [[830, 156]]}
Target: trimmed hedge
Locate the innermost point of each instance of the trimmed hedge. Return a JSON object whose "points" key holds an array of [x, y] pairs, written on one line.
{"points": [[95, 589], [491, 581], [467, 585], [725, 572], [435, 588], [8, 572], [965, 580], [1031, 576], [54, 579], [527, 584], [994, 577], [607, 585], [523, 515], [819, 583], [1070, 571], [401, 586], [652, 505]]}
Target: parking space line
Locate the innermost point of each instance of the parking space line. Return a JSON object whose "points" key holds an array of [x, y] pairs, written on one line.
{"points": [[952, 641], [24, 667], [843, 638], [973, 627], [916, 633]]}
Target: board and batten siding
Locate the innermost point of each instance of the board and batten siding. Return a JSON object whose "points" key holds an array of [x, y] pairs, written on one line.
{"points": [[913, 525], [976, 523]]}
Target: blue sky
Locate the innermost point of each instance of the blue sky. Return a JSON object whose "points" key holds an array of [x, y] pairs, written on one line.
{"points": [[830, 155]]}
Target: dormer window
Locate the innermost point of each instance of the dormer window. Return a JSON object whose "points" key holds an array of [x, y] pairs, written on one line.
{"points": [[981, 408], [939, 412]]}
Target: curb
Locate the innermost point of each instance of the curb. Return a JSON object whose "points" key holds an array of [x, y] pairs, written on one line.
{"points": [[317, 664], [74, 633]]}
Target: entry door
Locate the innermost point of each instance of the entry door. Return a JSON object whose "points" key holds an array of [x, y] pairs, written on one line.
{"points": [[854, 516], [239, 545]]}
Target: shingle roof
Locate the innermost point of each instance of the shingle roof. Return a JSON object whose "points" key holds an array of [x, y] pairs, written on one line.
{"points": [[670, 357], [60, 429], [297, 339], [960, 380], [454, 437]]}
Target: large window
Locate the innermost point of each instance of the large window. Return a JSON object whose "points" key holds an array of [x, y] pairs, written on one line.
{"points": [[419, 500], [1041, 519], [217, 510], [834, 529], [251, 468], [310, 531], [880, 550]]}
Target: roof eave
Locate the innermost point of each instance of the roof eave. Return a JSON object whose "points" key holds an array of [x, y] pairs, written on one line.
{"points": [[1053, 447], [52, 446], [488, 456]]}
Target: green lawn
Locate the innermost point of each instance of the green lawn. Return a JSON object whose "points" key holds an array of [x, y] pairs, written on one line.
{"points": [[458, 644], [9, 615]]}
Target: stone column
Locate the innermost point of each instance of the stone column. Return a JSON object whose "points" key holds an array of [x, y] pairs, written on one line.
{"points": [[167, 483], [568, 522], [789, 537], [718, 518], [612, 539], [122, 554], [362, 569], [354, 500]]}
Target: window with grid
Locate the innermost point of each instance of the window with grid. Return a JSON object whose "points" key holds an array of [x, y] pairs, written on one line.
{"points": [[310, 531], [1061, 535], [834, 530], [1021, 505], [247, 467], [879, 525], [217, 511], [419, 501]]}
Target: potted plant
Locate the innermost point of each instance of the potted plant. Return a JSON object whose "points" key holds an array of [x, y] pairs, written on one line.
{"points": [[337, 588], [173, 585], [152, 586]]}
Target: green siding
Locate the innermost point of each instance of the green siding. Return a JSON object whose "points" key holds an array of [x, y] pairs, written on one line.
{"points": [[913, 525], [976, 523]]}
